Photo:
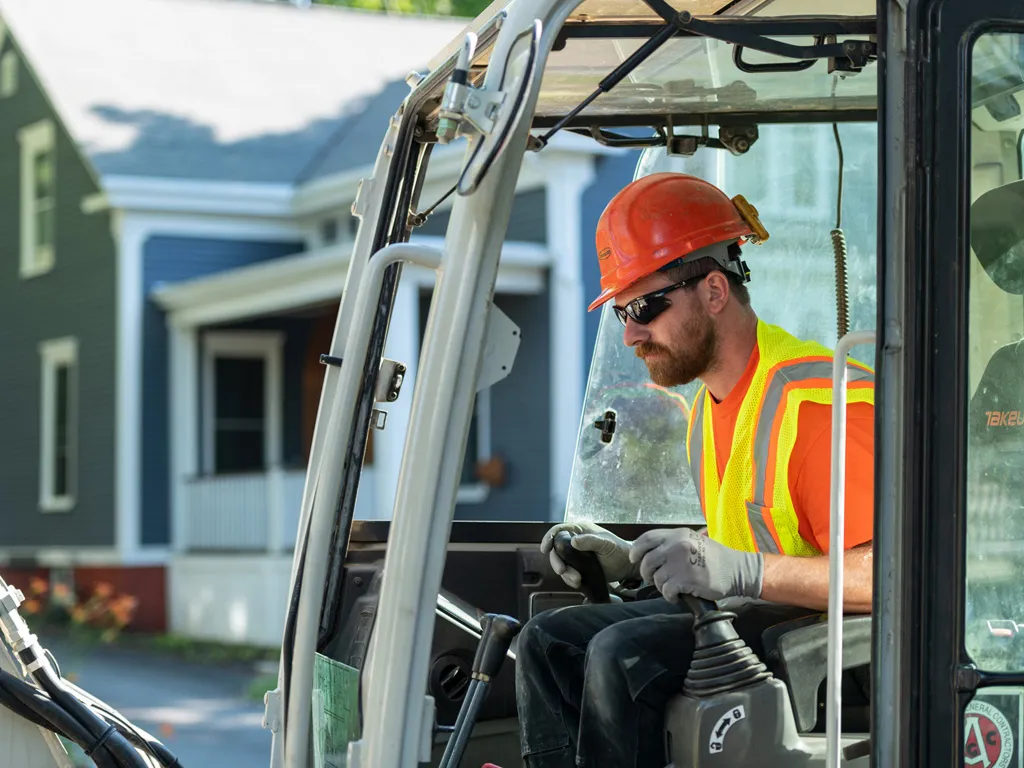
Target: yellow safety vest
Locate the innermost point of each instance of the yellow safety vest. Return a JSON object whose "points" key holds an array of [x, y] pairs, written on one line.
{"points": [[751, 509]]}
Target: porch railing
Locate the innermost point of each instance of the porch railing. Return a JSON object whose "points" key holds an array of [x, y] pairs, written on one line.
{"points": [[250, 511]]}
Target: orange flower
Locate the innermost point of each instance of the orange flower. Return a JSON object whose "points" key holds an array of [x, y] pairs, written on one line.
{"points": [[103, 589], [31, 606], [38, 585], [61, 591], [78, 614]]}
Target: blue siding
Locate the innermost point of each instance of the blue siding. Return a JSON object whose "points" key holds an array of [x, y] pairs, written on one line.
{"points": [[78, 298], [169, 260], [612, 174], [520, 419], [520, 415]]}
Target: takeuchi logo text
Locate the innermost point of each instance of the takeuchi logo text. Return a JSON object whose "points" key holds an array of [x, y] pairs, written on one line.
{"points": [[1005, 418]]}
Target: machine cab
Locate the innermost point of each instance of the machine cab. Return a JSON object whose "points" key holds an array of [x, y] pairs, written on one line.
{"points": [[882, 150]]}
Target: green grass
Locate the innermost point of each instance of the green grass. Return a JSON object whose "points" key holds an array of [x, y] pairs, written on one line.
{"points": [[259, 686], [201, 651]]}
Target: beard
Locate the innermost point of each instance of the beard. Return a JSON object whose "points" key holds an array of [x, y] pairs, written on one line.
{"points": [[691, 355]]}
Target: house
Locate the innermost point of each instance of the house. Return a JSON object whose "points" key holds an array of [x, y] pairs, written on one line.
{"points": [[176, 179], [175, 185]]}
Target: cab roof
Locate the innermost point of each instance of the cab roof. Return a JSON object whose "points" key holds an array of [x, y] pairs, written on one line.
{"points": [[697, 79]]}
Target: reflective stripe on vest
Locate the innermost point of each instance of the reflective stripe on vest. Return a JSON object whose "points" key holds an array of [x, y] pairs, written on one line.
{"points": [[756, 479]]}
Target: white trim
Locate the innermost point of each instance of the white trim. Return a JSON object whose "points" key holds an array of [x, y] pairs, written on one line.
{"points": [[36, 139], [53, 354], [318, 276], [132, 230], [8, 74], [132, 236], [327, 194], [95, 203], [225, 198], [568, 179], [183, 374], [267, 345]]}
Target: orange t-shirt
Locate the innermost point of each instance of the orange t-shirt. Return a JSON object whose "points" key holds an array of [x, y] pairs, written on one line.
{"points": [[810, 466]]}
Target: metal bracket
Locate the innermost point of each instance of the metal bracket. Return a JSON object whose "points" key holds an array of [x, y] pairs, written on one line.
{"points": [[848, 56], [389, 381], [272, 710], [501, 345], [482, 108], [607, 426], [378, 419], [735, 139]]}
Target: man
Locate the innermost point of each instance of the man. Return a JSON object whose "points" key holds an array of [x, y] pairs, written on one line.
{"points": [[593, 680]]}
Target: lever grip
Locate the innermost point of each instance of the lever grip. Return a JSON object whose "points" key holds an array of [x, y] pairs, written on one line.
{"points": [[699, 606], [593, 584], [497, 636]]}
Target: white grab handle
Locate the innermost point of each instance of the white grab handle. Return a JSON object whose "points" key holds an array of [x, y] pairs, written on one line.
{"points": [[837, 523]]}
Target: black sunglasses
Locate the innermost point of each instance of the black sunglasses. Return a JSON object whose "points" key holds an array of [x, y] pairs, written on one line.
{"points": [[643, 309]]}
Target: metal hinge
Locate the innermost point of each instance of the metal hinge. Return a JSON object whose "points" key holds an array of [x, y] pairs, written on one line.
{"points": [[389, 381], [967, 678], [272, 701]]}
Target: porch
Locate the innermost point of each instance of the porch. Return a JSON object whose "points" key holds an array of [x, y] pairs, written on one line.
{"points": [[251, 511], [245, 379]]}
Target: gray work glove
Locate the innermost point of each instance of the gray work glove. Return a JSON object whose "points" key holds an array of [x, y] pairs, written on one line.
{"points": [[612, 552], [682, 561]]}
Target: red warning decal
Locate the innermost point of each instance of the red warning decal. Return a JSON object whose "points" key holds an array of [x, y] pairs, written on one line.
{"points": [[992, 729]]}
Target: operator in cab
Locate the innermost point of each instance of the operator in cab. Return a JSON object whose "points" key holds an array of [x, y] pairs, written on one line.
{"points": [[593, 680]]}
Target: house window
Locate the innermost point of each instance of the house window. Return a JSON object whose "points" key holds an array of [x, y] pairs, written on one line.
{"points": [[38, 197], [329, 231], [8, 74], [59, 425], [794, 176], [242, 397]]}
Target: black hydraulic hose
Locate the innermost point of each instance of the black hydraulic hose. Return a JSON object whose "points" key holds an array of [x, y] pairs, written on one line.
{"points": [[57, 719], [28, 692], [133, 733], [103, 733], [13, 703]]}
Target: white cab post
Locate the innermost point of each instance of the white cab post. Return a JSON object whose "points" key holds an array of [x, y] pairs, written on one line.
{"points": [[568, 178], [402, 346], [398, 718]]}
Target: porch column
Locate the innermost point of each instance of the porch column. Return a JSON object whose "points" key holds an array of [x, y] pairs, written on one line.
{"points": [[403, 345], [183, 385], [569, 175]]}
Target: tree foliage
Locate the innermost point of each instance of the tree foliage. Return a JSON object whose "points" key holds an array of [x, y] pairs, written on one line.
{"points": [[461, 8]]}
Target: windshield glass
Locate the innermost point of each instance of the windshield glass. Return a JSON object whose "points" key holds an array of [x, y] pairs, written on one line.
{"points": [[790, 174], [994, 498]]}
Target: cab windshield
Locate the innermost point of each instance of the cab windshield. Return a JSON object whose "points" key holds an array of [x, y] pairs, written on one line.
{"points": [[639, 472]]}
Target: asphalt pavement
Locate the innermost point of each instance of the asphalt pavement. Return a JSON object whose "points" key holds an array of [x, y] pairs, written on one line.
{"points": [[199, 711]]}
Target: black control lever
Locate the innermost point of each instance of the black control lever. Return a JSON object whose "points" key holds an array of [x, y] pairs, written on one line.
{"points": [[497, 635], [593, 584], [699, 606]]}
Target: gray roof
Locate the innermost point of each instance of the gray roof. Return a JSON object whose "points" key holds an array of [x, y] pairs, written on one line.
{"points": [[239, 90]]}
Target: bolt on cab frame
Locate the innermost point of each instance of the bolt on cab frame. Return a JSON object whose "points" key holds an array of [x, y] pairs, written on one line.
{"points": [[916, 70]]}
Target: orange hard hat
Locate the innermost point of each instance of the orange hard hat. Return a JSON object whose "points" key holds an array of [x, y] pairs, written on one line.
{"points": [[661, 218]]}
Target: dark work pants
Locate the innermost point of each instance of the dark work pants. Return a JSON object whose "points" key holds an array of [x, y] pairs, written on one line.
{"points": [[593, 681]]}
